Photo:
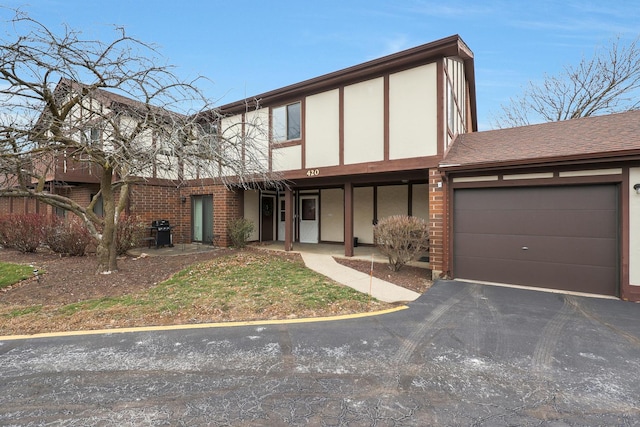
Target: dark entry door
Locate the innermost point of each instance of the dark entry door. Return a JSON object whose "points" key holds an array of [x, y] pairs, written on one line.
{"points": [[267, 218], [551, 237]]}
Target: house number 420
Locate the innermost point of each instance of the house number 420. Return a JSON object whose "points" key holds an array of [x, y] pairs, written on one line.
{"points": [[313, 172]]}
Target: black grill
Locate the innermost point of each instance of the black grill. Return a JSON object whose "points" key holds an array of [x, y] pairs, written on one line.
{"points": [[162, 230]]}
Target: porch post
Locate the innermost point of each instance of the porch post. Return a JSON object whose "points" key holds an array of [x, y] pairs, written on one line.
{"points": [[348, 219], [288, 219]]}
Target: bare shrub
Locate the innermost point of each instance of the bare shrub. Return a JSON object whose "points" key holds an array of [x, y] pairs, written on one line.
{"points": [[22, 232], [128, 233], [400, 238], [67, 236], [239, 231]]}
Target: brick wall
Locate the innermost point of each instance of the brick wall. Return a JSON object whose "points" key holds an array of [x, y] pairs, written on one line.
{"points": [[436, 223], [150, 202], [227, 205], [165, 201], [81, 194], [23, 205]]}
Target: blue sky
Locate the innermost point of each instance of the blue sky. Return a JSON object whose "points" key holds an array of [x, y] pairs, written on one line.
{"points": [[250, 47]]}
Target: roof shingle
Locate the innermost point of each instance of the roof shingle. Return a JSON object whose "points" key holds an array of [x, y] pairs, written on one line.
{"points": [[589, 137]]}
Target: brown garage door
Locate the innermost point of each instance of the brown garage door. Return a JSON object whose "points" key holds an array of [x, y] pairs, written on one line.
{"points": [[551, 237]]}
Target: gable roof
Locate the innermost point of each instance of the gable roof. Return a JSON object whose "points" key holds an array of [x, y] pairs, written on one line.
{"points": [[430, 52], [113, 100], [598, 137]]}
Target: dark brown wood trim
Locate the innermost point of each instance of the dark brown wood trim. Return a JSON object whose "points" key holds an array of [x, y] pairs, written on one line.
{"points": [[416, 163], [441, 105], [348, 219], [386, 116], [410, 199], [624, 280], [319, 215], [595, 159], [366, 180], [341, 124], [154, 144], [303, 108], [576, 180], [292, 143], [288, 219], [270, 135], [631, 293], [375, 204], [447, 227]]}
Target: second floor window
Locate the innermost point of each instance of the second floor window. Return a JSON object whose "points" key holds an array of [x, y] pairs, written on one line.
{"points": [[286, 122], [92, 136]]}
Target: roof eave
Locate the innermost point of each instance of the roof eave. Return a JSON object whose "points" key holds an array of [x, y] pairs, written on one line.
{"points": [[449, 46], [604, 157]]}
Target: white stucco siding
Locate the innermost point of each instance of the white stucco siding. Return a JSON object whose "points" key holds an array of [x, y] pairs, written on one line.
{"points": [[634, 229], [231, 140], [167, 168], [256, 131], [363, 214], [142, 167], [322, 136], [413, 130], [252, 211], [393, 200], [364, 122], [420, 201], [332, 215], [126, 124], [286, 158]]}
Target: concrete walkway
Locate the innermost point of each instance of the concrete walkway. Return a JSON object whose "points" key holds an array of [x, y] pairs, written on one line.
{"points": [[379, 289]]}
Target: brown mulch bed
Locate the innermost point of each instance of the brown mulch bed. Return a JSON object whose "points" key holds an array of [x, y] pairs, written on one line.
{"points": [[415, 278], [71, 279]]}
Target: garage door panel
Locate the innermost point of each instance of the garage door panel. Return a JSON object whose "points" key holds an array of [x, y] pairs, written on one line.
{"points": [[554, 198], [578, 251], [555, 237], [591, 279], [592, 223]]}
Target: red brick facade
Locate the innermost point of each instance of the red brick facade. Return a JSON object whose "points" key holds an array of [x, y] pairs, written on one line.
{"points": [[149, 202], [227, 205], [164, 200], [436, 222], [25, 205]]}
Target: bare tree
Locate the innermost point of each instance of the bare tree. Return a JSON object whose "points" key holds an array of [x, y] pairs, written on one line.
{"points": [[115, 111], [604, 84]]}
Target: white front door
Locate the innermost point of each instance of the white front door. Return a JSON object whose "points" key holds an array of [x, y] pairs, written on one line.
{"points": [[281, 216], [308, 219]]}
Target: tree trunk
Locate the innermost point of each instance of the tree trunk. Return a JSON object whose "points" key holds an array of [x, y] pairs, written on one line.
{"points": [[106, 250]]}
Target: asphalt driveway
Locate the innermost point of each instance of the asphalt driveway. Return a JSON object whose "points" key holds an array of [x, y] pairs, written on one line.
{"points": [[462, 354]]}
